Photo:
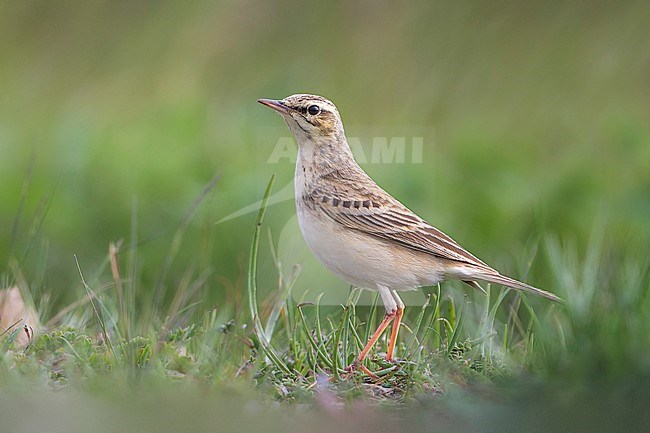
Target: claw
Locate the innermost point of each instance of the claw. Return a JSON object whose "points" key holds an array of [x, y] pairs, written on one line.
{"points": [[350, 369]]}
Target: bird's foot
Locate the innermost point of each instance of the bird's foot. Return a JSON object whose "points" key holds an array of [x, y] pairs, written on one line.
{"points": [[350, 369]]}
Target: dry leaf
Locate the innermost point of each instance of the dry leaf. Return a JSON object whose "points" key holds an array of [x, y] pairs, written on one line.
{"points": [[14, 314]]}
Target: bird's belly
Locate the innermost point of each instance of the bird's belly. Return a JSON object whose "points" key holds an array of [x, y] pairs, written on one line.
{"points": [[364, 260]]}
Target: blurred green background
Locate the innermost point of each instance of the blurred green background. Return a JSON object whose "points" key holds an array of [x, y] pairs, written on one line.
{"points": [[115, 115], [538, 115]]}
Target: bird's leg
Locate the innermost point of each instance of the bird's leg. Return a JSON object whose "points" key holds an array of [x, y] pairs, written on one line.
{"points": [[371, 342], [366, 370], [393, 335], [399, 312], [380, 330]]}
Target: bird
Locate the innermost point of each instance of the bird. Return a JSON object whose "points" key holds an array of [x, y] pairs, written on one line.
{"points": [[362, 233]]}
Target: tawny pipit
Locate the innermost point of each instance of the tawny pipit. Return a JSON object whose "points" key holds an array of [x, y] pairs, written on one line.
{"points": [[358, 230]]}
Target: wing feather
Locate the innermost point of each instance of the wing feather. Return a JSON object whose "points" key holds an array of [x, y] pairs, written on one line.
{"points": [[365, 207]]}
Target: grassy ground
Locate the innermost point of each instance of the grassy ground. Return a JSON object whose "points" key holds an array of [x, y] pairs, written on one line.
{"points": [[129, 134], [502, 363]]}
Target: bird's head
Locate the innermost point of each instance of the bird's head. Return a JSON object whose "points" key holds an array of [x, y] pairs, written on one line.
{"points": [[310, 117]]}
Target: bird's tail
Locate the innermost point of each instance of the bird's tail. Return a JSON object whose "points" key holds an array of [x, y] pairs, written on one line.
{"points": [[518, 285]]}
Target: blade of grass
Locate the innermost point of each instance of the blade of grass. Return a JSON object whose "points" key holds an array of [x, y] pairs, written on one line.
{"points": [[98, 315], [320, 353], [319, 328], [252, 285], [418, 325], [435, 321], [433, 324], [372, 317], [289, 318], [131, 287], [285, 286], [340, 360], [457, 325]]}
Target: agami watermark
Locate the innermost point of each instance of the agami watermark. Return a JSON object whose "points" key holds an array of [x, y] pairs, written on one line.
{"points": [[383, 150]]}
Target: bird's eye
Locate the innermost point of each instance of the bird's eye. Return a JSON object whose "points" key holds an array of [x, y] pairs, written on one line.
{"points": [[313, 110]]}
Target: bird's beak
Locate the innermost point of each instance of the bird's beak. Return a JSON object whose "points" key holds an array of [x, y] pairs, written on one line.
{"points": [[275, 105]]}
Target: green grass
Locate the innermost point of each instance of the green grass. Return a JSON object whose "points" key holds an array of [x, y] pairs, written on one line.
{"points": [[532, 115], [470, 360]]}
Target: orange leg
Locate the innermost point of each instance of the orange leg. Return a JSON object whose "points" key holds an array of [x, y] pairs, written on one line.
{"points": [[375, 336], [366, 370], [380, 330], [393, 335], [391, 300]]}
